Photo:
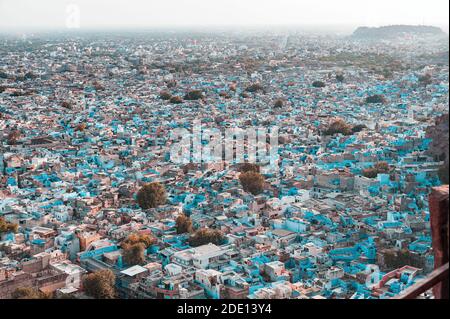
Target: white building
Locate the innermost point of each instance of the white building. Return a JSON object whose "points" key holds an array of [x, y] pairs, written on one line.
{"points": [[200, 257]]}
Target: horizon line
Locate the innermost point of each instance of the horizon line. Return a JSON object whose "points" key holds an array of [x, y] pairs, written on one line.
{"points": [[245, 27]]}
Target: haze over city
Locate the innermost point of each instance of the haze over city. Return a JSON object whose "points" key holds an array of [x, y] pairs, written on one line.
{"points": [[44, 14]]}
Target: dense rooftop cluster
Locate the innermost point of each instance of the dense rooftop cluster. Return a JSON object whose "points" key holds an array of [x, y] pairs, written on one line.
{"points": [[88, 190]]}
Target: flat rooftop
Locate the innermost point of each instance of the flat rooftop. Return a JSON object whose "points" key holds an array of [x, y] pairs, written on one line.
{"points": [[133, 271]]}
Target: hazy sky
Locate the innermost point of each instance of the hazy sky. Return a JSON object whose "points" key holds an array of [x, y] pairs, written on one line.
{"points": [[134, 13]]}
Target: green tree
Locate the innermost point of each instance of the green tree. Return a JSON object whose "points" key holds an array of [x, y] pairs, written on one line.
{"points": [[426, 79], [249, 167], [133, 254], [378, 168], [30, 76], [193, 95], [252, 182], [205, 236], [139, 238], [370, 172], [134, 248], [164, 95], [6, 227], [358, 128], [81, 127], [98, 86], [100, 284], [382, 167], [29, 293], [340, 77], [224, 95], [183, 224], [14, 136], [339, 126], [176, 100], [255, 87], [376, 99], [66, 105], [318, 84], [279, 103], [151, 196]]}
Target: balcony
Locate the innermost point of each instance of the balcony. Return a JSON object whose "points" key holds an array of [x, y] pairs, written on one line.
{"points": [[438, 279]]}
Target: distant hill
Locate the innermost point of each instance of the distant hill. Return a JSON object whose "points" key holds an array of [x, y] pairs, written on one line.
{"points": [[394, 31]]}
